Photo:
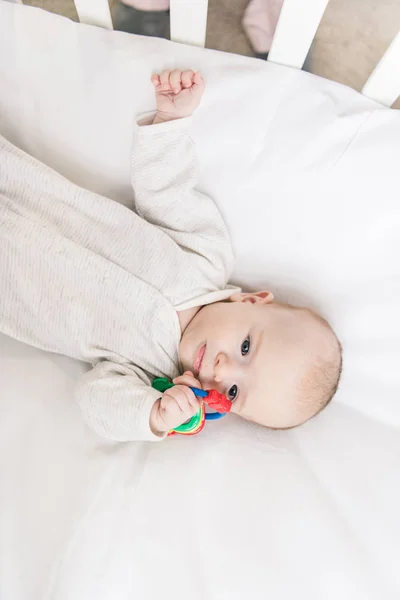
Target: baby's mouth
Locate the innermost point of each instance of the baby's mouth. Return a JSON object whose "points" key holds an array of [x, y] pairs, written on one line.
{"points": [[199, 359]]}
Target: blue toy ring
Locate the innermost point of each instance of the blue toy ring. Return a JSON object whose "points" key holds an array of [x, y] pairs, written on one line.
{"points": [[214, 416]]}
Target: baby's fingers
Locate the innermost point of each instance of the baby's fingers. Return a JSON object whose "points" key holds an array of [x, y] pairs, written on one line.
{"points": [[175, 81], [187, 78], [155, 80], [182, 401], [198, 80], [165, 80], [184, 398]]}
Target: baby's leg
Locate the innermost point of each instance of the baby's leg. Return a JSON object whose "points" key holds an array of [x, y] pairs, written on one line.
{"points": [[58, 243], [37, 195]]}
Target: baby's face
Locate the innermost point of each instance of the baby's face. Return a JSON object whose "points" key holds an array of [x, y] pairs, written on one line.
{"points": [[247, 349]]}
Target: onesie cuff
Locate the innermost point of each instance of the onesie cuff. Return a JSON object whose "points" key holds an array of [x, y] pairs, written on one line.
{"points": [[144, 419], [143, 124]]}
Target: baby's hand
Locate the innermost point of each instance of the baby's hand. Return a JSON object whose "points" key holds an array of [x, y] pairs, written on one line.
{"points": [[176, 406], [178, 94]]}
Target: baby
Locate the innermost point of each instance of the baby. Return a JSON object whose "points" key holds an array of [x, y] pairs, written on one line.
{"points": [[143, 293]]}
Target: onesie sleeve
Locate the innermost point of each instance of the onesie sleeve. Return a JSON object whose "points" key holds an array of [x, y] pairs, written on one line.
{"points": [[164, 178], [116, 402]]}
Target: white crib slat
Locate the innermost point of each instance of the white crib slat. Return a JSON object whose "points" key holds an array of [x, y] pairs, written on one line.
{"points": [[94, 12], [189, 21], [297, 24], [383, 84]]}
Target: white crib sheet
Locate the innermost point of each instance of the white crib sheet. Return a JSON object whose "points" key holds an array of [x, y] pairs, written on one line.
{"points": [[306, 173]]}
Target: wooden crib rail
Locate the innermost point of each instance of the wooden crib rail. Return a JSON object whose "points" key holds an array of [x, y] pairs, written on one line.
{"points": [[94, 12], [295, 31], [189, 21], [383, 84]]}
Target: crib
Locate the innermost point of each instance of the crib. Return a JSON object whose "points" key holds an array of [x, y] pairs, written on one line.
{"points": [[305, 172], [290, 45]]}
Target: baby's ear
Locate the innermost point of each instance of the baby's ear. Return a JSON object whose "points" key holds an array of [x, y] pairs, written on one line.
{"points": [[263, 297]]}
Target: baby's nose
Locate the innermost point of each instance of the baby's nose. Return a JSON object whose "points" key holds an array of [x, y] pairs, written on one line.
{"points": [[222, 368]]}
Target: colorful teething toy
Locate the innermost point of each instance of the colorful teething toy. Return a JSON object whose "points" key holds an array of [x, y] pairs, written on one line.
{"points": [[213, 398]]}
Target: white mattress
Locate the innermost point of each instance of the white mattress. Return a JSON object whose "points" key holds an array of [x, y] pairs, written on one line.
{"points": [[306, 173]]}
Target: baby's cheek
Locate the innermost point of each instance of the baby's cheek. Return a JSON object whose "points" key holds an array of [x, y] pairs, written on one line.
{"points": [[251, 410], [235, 409]]}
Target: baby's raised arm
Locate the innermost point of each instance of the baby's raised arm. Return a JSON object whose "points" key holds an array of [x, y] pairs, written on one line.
{"points": [[165, 183]]}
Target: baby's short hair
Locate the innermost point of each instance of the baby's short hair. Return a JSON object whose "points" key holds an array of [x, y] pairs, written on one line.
{"points": [[321, 379], [321, 371]]}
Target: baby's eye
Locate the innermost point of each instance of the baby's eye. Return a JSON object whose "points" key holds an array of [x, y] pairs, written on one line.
{"points": [[245, 349], [232, 393]]}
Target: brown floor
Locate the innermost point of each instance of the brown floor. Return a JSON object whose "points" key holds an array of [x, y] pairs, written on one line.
{"points": [[350, 40]]}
